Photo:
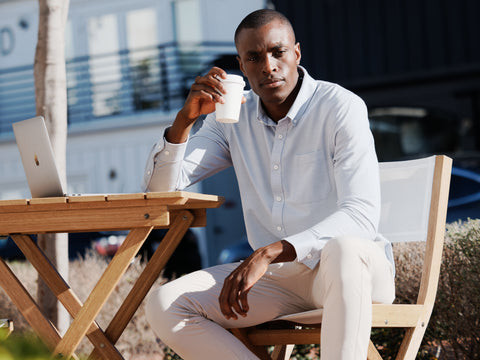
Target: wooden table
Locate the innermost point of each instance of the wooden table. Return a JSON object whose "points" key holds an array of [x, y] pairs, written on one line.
{"points": [[139, 213]]}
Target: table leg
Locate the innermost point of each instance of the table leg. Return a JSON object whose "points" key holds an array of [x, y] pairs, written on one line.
{"points": [[63, 293], [99, 295], [27, 306], [146, 279]]}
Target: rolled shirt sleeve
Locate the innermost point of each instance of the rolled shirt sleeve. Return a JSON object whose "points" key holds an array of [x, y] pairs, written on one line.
{"points": [[173, 167], [164, 165]]}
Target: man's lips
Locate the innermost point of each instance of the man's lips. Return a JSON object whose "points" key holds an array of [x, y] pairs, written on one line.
{"points": [[272, 83]]}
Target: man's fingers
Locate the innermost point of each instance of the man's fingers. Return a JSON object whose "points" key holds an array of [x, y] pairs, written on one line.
{"points": [[225, 307], [227, 310], [206, 90], [233, 302], [212, 80], [219, 72], [243, 301], [233, 296]]}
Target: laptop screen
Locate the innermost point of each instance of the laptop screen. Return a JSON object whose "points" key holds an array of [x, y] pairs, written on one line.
{"points": [[37, 158]]}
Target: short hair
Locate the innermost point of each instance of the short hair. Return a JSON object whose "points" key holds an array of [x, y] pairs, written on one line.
{"points": [[259, 18]]}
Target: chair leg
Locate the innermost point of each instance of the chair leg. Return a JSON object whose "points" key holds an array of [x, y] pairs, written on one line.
{"points": [[373, 353], [411, 343], [282, 352]]}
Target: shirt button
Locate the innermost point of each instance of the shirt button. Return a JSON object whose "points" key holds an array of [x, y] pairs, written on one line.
{"points": [[279, 228], [280, 136], [275, 167], [167, 152], [149, 172], [278, 198], [309, 256]]}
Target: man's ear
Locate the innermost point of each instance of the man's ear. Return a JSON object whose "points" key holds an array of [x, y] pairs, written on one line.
{"points": [[298, 53], [240, 65]]}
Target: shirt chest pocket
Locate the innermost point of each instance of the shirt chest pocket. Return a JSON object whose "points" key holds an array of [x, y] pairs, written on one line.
{"points": [[309, 178]]}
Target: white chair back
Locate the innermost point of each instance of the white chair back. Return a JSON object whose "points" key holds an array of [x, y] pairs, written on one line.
{"points": [[406, 189]]}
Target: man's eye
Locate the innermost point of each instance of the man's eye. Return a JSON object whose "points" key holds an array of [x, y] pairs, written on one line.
{"points": [[252, 58], [280, 53]]}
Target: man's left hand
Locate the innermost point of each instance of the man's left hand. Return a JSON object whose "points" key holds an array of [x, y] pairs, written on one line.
{"points": [[233, 297]]}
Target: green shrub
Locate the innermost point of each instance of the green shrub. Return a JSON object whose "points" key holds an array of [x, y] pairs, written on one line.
{"points": [[456, 317], [454, 328], [25, 347]]}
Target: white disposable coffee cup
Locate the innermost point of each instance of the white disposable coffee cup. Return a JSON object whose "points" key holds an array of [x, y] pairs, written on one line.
{"points": [[229, 112]]}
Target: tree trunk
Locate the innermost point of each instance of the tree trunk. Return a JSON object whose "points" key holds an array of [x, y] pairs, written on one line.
{"points": [[51, 103]]}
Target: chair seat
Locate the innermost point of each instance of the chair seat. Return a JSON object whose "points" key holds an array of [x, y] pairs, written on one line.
{"points": [[383, 315]]}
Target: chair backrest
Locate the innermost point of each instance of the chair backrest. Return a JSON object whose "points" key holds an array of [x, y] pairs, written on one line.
{"points": [[406, 188], [414, 208]]}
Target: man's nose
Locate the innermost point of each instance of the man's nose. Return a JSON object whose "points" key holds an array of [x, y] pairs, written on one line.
{"points": [[269, 65]]}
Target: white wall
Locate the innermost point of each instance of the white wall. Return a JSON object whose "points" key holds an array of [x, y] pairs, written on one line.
{"points": [[110, 161], [13, 184], [22, 50]]}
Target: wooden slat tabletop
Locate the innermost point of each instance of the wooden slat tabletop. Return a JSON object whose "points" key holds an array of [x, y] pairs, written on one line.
{"points": [[101, 212], [177, 198]]}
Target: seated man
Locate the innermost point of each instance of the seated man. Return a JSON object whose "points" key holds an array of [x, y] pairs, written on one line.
{"points": [[307, 170]]}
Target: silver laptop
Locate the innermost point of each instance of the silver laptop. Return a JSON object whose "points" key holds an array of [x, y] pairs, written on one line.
{"points": [[37, 158]]}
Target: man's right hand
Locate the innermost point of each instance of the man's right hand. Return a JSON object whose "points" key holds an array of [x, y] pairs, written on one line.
{"points": [[204, 93]]}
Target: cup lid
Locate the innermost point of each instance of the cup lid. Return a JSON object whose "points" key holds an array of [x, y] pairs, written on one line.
{"points": [[234, 78]]}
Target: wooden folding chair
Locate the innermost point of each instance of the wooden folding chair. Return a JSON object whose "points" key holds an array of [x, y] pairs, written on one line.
{"points": [[414, 208]]}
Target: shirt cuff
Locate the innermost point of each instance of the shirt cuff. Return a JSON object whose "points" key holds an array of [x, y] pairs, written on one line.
{"points": [[162, 152], [169, 152], [308, 247]]}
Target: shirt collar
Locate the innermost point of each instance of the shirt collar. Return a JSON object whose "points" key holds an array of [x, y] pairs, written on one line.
{"points": [[305, 93], [262, 115]]}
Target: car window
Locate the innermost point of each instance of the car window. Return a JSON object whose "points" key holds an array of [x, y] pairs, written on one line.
{"points": [[402, 133]]}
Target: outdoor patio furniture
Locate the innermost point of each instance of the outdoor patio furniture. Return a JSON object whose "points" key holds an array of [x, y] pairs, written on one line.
{"points": [[414, 207], [139, 213]]}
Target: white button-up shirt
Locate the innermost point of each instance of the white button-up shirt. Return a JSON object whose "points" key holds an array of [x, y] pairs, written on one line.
{"points": [[310, 177]]}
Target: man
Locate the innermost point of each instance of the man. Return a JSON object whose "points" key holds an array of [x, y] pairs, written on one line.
{"points": [[308, 177]]}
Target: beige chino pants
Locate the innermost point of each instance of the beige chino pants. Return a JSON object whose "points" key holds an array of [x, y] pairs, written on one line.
{"points": [[352, 274]]}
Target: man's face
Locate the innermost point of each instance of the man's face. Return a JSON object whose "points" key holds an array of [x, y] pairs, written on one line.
{"points": [[268, 57]]}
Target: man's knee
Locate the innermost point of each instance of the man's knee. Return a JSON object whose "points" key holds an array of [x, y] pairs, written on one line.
{"points": [[343, 259], [159, 311], [341, 268], [343, 249]]}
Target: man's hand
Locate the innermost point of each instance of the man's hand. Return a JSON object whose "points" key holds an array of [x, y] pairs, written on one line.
{"points": [[233, 297], [204, 93]]}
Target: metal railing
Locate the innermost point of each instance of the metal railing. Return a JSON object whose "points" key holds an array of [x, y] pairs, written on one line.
{"points": [[121, 83]]}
